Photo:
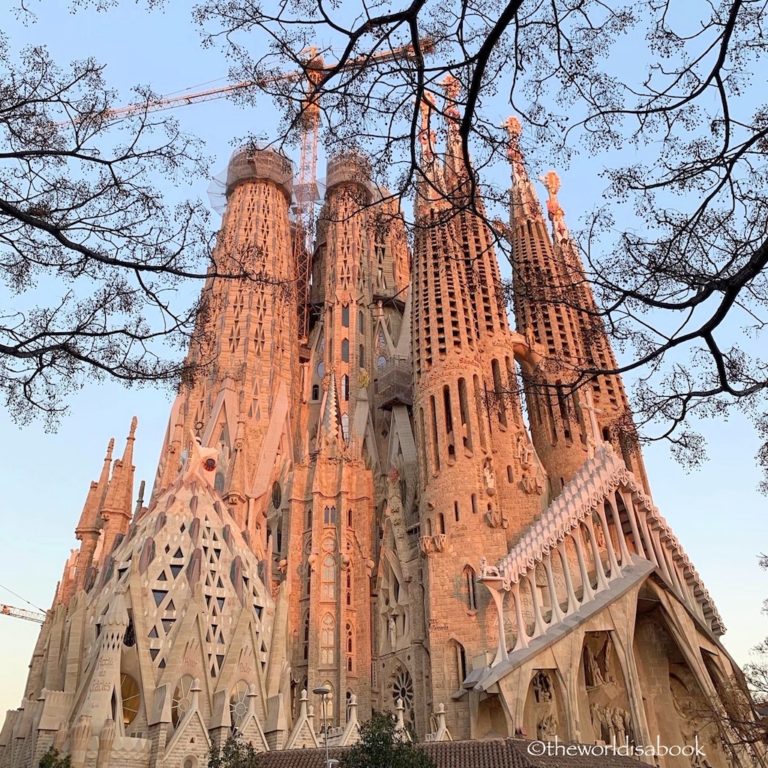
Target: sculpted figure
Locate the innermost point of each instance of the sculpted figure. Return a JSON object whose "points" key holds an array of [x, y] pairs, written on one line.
{"points": [[547, 728], [542, 687]]}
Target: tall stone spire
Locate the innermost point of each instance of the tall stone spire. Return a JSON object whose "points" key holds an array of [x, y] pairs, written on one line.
{"points": [[117, 508], [246, 346], [555, 305], [610, 416], [461, 339], [89, 526]]}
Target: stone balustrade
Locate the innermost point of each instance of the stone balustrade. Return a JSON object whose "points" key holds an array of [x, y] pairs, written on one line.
{"points": [[584, 541]]}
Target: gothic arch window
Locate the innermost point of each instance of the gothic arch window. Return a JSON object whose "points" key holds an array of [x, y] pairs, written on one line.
{"points": [[129, 638], [345, 315], [349, 517], [361, 356], [441, 522], [469, 581], [345, 350], [315, 391], [360, 321], [328, 578], [330, 705], [329, 516], [182, 699], [238, 703], [305, 636], [459, 663], [349, 586], [350, 647], [345, 385], [309, 517], [326, 639]]}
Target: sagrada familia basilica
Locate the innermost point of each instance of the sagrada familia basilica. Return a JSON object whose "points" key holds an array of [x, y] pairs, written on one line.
{"points": [[367, 510]]}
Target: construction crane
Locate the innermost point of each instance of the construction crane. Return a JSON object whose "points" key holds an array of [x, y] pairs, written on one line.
{"points": [[22, 613], [306, 190]]}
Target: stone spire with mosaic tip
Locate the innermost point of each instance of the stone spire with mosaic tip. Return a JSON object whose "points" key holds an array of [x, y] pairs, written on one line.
{"points": [[570, 414]]}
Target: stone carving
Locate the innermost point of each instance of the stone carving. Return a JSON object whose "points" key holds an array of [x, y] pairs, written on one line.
{"points": [[392, 631], [597, 663], [488, 478], [611, 724], [394, 497], [430, 544], [488, 571], [495, 518], [546, 730], [542, 687]]}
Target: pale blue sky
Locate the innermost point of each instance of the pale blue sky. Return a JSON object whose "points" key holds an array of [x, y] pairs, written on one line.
{"points": [[716, 512]]}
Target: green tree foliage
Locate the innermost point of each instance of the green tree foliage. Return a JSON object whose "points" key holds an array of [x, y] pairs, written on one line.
{"points": [[52, 759], [234, 754], [379, 747]]}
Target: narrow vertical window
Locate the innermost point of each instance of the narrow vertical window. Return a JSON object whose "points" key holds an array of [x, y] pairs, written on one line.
{"points": [[326, 640], [464, 413], [328, 578], [469, 577]]}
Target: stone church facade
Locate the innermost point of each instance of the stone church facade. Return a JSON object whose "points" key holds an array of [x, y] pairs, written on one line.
{"points": [[366, 508]]}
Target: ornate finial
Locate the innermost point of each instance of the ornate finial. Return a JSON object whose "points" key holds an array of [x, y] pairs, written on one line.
{"points": [[134, 424], [556, 215], [110, 447], [514, 129], [524, 198], [451, 88], [552, 183]]}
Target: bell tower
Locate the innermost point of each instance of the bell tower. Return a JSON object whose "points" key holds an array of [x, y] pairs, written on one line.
{"points": [[555, 305], [461, 346], [246, 350]]}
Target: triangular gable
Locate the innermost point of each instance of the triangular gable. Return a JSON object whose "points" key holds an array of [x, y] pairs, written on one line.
{"points": [[190, 734], [227, 402], [278, 424], [303, 733]]}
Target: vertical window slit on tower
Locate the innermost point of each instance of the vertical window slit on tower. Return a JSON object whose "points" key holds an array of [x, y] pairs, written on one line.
{"points": [[498, 393], [469, 576], [435, 444], [464, 413], [479, 408], [449, 421]]}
